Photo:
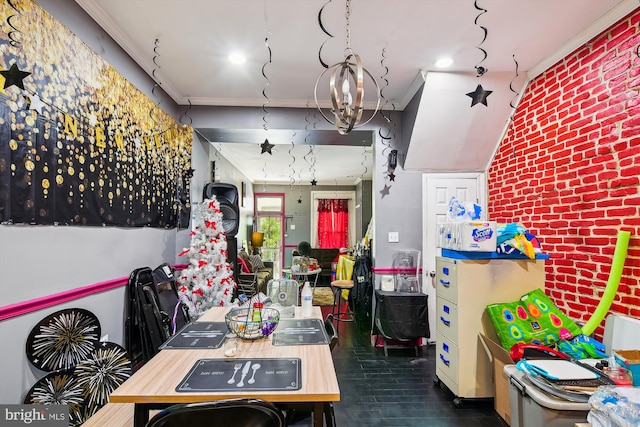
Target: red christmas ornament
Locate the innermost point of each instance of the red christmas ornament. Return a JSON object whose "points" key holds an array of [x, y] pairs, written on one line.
{"points": [[186, 251]]}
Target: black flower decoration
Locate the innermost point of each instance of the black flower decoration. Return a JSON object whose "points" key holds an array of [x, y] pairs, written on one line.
{"points": [[63, 339], [101, 373], [59, 388]]}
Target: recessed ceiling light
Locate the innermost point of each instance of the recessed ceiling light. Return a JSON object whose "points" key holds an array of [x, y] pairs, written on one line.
{"points": [[237, 58], [444, 62]]}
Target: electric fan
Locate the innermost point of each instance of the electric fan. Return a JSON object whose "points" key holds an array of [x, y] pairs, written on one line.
{"points": [[284, 296]]}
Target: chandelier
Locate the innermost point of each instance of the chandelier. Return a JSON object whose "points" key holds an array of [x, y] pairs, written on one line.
{"points": [[344, 75]]}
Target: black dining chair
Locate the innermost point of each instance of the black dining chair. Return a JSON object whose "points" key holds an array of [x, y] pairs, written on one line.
{"points": [[221, 413], [332, 332]]}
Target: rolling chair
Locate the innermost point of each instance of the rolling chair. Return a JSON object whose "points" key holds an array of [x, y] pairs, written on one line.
{"points": [[221, 413]]}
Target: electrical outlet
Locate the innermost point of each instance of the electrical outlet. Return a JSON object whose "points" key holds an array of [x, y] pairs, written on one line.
{"points": [[293, 226], [394, 237]]}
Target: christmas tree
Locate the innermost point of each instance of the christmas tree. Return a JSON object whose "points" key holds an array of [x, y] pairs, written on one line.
{"points": [[207, 281]]}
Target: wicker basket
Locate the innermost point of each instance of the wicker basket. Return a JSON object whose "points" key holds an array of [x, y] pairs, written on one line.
{"points": [[251, 324]]}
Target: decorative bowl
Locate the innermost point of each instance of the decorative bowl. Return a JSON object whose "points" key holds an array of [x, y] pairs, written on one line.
{"points": [[252, 323]]}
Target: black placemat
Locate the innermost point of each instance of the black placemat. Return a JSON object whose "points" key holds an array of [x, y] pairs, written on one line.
{"points": [[242, 375], [300, 332], [198, 335]]}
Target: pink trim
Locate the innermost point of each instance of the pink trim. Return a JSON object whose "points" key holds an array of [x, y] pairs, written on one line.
{"points": [[391, 270], [25, 307]]}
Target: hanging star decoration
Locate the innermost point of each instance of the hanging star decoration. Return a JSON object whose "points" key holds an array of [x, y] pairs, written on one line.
{"points": [[392, 176], [314, 182], [13, 77], [385, 191], [479, 96], [266, 147], [35, 103], [299, 201]]}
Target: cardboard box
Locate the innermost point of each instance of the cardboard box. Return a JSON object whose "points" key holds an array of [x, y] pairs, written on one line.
{"points": [[500, 358], [474, 236]]}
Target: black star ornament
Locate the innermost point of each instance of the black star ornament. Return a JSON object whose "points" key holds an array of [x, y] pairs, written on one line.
{"points": [[385, 191], [314, 182], [479, 96], [392, 176], [299, 201], [266, 147], [14, 77]]}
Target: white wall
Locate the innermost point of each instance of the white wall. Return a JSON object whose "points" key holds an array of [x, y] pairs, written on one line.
{"points": [[42, 260]]}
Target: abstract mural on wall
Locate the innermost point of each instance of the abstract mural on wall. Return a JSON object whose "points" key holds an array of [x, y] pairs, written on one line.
{"points": [[79, 144]]}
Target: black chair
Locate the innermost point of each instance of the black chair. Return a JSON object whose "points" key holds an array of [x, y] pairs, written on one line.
{"points": [[332, 332], [144, 329], [304, 249], [295, 414], [223, 413], [170, 305]]}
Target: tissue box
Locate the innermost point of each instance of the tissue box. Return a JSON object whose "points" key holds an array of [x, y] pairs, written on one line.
{"points": [[474, 236]]}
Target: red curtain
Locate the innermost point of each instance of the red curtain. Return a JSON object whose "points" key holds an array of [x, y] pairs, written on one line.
{"points": [[333, 223]]}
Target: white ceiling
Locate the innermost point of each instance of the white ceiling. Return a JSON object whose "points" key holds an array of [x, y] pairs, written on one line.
{"points": [[192, 39]]}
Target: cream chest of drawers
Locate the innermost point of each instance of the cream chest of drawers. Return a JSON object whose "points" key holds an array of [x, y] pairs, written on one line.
{"points": [[463, 289]]}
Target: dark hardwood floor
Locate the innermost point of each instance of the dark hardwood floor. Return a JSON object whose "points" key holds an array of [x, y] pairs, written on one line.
{"points": [[396, 390]]}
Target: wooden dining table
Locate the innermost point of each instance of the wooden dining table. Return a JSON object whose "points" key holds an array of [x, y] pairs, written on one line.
{"points": [[154, 385]]}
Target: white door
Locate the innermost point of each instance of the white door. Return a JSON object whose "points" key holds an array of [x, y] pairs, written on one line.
{"points": [[437, 191]]}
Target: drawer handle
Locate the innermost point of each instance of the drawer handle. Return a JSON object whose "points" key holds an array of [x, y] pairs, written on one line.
{"points": [[445, 321], [444, 283], [445, 361]]}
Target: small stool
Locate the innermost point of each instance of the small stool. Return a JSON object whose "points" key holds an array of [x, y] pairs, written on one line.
{"points": [[338, 286]]}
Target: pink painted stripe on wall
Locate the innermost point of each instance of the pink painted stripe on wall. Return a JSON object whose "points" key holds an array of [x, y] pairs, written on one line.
{"points": [[25, 307], [391, 270]]}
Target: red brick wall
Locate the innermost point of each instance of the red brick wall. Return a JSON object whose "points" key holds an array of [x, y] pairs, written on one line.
{"points": [[569, 166]]}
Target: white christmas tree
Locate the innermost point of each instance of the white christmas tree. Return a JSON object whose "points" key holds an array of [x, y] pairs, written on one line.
{"points": [[207, 281]]}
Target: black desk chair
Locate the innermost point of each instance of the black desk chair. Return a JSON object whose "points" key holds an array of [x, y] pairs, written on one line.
{"points": [[222, 413]]}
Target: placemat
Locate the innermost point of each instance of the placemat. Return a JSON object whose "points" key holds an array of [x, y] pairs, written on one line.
{"points": [[242, 374], [300, 332], [198, 335]]}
